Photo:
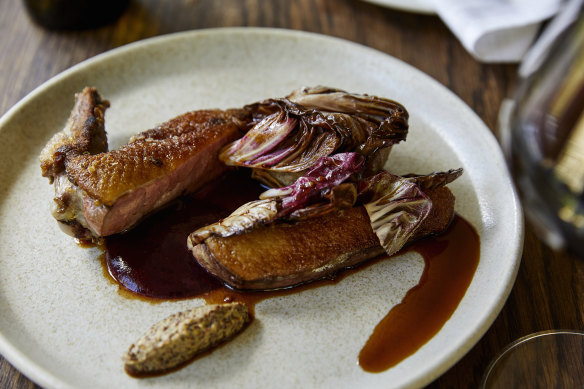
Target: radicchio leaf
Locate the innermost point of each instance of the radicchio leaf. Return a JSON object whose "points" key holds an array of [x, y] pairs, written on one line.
{"points": [[396, 206], [324, 121], [257, 145], [340, 197], [244, 218], [301, 200], [435, 180], [329, 172]]}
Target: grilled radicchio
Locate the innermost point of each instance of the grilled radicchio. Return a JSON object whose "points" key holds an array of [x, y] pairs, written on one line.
{"points": [[397, 206], [319, 191], [289, 135], [328, 173]]}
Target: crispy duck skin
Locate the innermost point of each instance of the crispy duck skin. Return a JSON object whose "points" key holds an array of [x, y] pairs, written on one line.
{"points": [[282, 254], [100, 193]]}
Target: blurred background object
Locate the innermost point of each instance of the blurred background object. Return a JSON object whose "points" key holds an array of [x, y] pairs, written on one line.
{"points": [[544, 136], [75, 14], [529, 362], [496, 31]]}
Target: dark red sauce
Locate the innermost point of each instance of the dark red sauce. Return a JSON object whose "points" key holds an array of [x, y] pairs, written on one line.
{"points": [[153, 261]]}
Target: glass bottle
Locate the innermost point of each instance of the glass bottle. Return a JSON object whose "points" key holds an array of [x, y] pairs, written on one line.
{"points": [[545, 141]]}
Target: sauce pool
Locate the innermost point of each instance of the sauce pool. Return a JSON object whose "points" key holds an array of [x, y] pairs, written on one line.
{"points": [[153, 262]]}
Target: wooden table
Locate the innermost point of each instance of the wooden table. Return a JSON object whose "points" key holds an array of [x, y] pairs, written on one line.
{"points": [[549, 292]]}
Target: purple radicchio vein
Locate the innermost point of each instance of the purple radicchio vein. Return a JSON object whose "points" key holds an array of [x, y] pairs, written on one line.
{"points": [[327, 173]]}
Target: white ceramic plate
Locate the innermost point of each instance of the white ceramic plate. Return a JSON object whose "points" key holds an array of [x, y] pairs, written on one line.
{"points": [[417, 6], [65, 325]]}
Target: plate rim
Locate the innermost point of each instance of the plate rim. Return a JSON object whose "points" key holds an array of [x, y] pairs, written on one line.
{"points": [[424, 7], [44, 377]]}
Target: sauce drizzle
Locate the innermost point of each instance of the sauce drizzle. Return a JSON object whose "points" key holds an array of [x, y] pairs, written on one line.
{"points": [[450, 263]]}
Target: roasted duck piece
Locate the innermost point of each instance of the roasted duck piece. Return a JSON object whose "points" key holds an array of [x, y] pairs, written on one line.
{"points": [[316, 226], [99, 193]]}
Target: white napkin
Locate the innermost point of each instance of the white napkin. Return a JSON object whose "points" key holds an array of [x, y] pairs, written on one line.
{"points": [[496, 30]]}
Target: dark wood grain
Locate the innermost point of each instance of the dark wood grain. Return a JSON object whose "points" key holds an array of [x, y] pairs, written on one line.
{"points": [[549, 292]]}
